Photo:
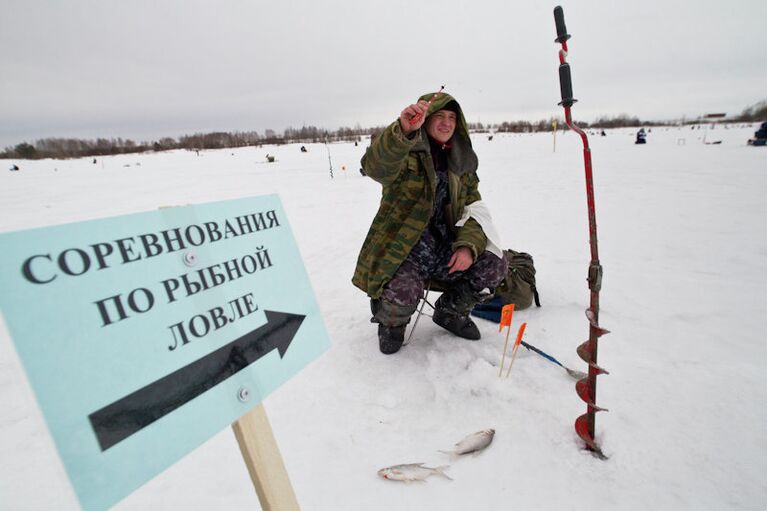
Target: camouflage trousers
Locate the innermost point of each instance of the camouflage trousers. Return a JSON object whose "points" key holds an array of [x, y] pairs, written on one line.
{"points": [[407, 285]]}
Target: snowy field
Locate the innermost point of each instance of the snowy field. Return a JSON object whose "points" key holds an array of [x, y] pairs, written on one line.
{"points": [[684, 296]]}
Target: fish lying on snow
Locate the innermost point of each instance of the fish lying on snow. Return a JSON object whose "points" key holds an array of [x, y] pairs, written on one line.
{"points": [[412, 472], [473, 443]]}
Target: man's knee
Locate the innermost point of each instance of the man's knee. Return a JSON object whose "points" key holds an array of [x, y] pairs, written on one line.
{"points": [[500, 267], [404, 290], [489, 270]]}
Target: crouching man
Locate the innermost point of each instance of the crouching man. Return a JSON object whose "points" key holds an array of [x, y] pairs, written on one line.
{"points": [[431, 226]]}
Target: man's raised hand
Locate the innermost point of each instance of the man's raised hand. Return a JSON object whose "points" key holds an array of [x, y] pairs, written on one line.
{"points": [[413, 117]]}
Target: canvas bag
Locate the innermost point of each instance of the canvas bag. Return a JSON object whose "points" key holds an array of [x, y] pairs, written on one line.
{"points": [[518, 287]]}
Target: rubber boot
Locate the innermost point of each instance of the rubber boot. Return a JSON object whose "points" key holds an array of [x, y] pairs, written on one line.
{"points": [[451, 311], [390, 338], [392, 320]]}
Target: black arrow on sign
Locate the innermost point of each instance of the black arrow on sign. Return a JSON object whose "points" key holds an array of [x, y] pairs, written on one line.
{"points": [[119, 420]]}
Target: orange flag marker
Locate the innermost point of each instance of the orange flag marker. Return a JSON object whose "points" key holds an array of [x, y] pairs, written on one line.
{"points": [[520, 333], [506, 313]]}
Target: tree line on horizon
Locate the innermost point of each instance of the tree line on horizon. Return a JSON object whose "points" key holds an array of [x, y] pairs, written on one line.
{"points": [[77, 148]]}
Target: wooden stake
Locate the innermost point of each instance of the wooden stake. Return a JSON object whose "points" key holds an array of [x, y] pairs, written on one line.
{"points": [[264, 461], [506, 314], [516, 346], [505, 347], [554, 129], [513, 356]]}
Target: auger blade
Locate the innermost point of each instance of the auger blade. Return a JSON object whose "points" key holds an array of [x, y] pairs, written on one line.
{"points": [[585, 354], [582, 388], [593, 322], [582, 428], [575, 374]]}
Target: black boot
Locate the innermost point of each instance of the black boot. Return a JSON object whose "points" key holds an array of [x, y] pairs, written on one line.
{"points": [[390, 338], [392, 320], [451, 311]]}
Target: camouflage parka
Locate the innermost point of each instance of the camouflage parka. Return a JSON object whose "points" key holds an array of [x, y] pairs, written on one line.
{"points": [[404, 167]]}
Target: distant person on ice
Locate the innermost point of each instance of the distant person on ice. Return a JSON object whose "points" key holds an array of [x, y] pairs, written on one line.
{"points": [[431, 225], [760, 136], [641, 137]]}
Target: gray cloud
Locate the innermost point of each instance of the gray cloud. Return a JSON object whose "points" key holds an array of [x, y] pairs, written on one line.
{"points": [[146, 69]]}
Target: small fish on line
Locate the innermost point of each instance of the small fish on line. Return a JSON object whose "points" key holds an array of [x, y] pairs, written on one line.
{"points": [[412, 472], [473, 443]]}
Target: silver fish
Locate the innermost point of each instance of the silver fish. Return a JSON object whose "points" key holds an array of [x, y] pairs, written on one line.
{"points": [[473, 443], [412, 472]]}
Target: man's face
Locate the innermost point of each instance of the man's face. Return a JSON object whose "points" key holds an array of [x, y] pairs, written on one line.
{"points": [[441, 125]]}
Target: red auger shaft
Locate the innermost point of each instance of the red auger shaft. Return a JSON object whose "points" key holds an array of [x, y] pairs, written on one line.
{"points": [[587, 387]]}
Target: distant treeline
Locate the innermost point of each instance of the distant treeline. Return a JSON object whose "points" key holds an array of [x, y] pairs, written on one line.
{"points": [[76, 148], [754, 113]]}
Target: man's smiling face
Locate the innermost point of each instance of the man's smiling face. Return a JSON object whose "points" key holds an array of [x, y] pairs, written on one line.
{"points": [[441, 125]]}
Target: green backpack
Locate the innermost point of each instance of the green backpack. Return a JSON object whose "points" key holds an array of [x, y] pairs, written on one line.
{"points": [[519, 285]]}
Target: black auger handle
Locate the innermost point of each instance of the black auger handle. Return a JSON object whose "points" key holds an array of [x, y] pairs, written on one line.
{"points": [[566, 86], [559, 19]]}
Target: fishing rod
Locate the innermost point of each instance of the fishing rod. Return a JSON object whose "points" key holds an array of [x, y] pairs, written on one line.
{"points": [[417, 117], [578, 375], [586, 387]]}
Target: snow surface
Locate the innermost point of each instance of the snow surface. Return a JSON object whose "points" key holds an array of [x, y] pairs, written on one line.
{"points": [[684, 296]]}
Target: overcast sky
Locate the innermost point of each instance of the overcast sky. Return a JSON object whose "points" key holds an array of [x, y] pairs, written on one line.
{"points": [[146, 69]]}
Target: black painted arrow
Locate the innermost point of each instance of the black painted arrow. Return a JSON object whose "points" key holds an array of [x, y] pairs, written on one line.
{"points": [[128, 415]]}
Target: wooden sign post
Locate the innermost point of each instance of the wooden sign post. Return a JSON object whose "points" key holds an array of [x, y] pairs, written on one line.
{"points": [[262, 457]]}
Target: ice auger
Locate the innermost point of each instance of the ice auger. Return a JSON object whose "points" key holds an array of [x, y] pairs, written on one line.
{"points": [[585, 387]]}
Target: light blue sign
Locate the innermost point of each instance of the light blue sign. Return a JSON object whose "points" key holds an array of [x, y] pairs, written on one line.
{"points": [[144, 335]]}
